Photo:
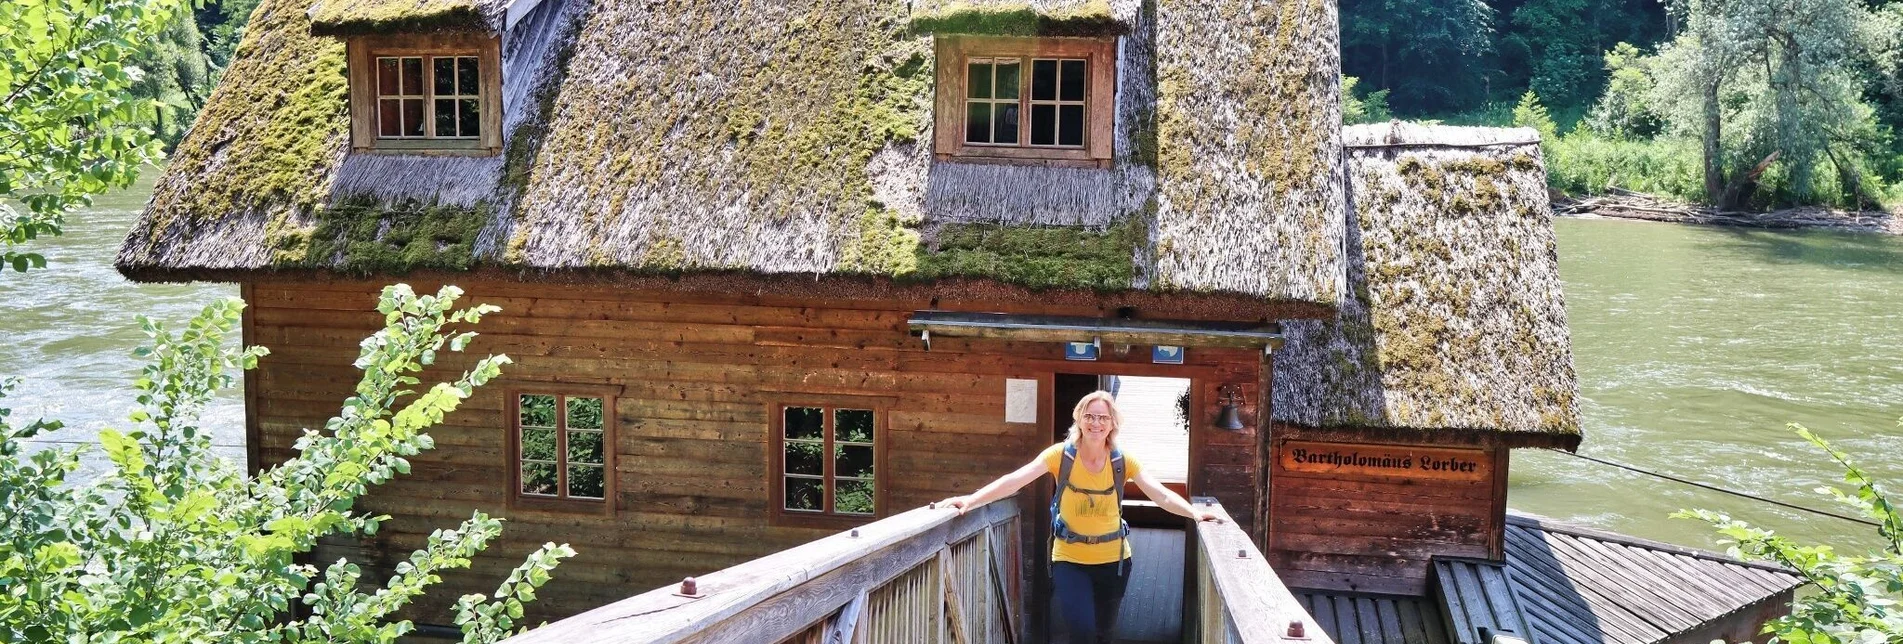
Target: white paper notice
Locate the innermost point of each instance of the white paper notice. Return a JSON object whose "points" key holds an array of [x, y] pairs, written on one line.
{"points": [[1020, 401]]}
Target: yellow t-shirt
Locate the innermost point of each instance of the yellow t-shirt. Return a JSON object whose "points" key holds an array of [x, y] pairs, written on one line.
{"points": [[1089, 513]]}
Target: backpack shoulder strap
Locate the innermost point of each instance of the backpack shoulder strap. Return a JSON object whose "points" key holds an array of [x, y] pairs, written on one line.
{"points": [[1117, 469], [1063, 478]]}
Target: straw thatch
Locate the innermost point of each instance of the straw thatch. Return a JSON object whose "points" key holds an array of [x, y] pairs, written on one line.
{"points": [[1024, 17], [776, 140], [340, 17], [1454, 318]]}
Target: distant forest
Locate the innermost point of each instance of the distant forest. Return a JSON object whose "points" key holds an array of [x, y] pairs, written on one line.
{"points": [[1805, 96]]}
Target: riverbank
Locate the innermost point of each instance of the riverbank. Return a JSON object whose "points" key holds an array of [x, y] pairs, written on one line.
{"points": [[1632, 205]]}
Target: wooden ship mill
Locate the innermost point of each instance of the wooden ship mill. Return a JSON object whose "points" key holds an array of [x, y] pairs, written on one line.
{"points": [[777, 274]]}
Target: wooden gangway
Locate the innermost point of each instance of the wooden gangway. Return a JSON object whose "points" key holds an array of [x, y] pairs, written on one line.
{"points": [[928, 576]]}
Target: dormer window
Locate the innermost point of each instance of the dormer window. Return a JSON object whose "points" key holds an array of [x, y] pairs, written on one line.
{"points": [[425, 94], [1046, 101]]}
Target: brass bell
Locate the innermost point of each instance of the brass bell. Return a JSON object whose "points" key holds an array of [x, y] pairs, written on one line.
{"points": [[1229, 418]]}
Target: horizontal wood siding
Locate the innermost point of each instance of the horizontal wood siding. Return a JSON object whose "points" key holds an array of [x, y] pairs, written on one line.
{"points": [[1351, 531], [697, 377]]}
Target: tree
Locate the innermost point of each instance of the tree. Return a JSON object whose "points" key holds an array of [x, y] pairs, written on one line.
{"points": [[177, 77], [1428, 52], [70, 126], [1356, 108], [1769, 81], [1625, 109], [178, 545], [1858, 599], [1530, 113]]}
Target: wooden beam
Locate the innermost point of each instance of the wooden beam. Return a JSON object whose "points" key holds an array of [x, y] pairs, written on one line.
{"points": [[995, 554], [846, 626], [1038, 328], [1259, 606], [954, 605]]}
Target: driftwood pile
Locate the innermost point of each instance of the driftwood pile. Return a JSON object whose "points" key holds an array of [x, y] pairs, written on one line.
{"points": [[1625, 204]]}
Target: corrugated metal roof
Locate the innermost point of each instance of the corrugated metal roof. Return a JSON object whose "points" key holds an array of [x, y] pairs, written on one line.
{"points": [[1583, 586], [1560, 584]]}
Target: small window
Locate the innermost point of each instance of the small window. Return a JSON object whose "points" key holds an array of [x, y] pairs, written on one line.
{"points": [[1026, 100], [827, 462], [563, 448], [418, 97]]}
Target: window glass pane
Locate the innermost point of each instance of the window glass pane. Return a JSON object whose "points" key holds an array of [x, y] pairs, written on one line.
{"points": [[538, 444], [389, 118], [852, 426], [538, 410], [584, 413], [1008, 81], [1070, 125], [977, 122], [978, 81], [467, 76], [413, 76], [1043, 80], [585, 481], [445, 117], [805, 458], [804, 494], [445, 74], [585, 448], [1043, 124], [853, 497], [805, 423], [413, 117], [852, 460], [469, 113], [386, 76], [538, 478], [1073, 80], [1006, 123]]}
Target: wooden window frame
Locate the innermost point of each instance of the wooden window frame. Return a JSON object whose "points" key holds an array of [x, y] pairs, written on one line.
{"points": [[363, 52], [519, 500], [1100, 90], [777, 512]]}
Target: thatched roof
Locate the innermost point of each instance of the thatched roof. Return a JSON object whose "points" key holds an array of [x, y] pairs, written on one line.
{"points": [[1024, 17], [337, 17], [776, 141], [1454, 318]]}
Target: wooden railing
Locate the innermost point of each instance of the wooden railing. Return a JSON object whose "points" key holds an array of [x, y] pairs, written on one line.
{"points": [[1237, 598], [921, 577]]}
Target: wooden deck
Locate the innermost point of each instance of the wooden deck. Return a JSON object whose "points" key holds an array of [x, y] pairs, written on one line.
{"points": [[1152, 611]]}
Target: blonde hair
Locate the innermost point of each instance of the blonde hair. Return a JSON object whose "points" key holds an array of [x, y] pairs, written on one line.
{"points": [[1077, 417]]}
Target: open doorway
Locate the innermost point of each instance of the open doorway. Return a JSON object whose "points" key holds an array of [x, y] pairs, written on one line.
{"points": [[1155, 419], [1156, 432]]}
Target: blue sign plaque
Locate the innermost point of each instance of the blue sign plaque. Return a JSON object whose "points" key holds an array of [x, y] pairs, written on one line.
{"points": [[1080, 351], [1165, 354]]}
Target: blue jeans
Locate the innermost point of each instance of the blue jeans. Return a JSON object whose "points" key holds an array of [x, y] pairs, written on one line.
{"points": [[1088, 597]]}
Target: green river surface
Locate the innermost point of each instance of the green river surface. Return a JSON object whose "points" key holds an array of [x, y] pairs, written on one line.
{"points": [[1694, 346]]}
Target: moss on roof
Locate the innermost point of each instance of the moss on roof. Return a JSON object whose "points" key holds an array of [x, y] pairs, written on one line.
{"points": [[1248, 142], [1038, 257], [340, 17], [1454, 318], [1017, 18]]}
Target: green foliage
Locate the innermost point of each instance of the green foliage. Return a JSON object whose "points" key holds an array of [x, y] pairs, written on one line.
{"points": [[70, 124], [1430, 53], [1856, 598], [1625, 109], [1530, 113], [177, 545], [1755, 77], [1583, 162], [1357, 107], [177, 79]]}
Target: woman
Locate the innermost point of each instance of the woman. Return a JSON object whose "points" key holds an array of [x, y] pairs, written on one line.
{"points": [[1090, 554]]}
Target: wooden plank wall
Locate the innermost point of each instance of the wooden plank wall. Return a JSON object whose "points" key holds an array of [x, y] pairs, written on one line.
{"points": [[697, 377], [1368, 533]]}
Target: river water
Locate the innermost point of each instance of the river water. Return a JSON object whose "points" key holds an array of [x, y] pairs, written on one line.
{"points": [[1695, 346]]}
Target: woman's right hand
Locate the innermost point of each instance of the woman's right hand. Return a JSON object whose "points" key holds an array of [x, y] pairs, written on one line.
{"points": [[957, 502]]}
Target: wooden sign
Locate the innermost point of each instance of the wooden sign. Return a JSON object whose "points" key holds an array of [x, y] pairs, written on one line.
{"points": [[1390, 461]]}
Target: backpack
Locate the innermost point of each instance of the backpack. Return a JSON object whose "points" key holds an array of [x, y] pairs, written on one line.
{"points": [[1063, 532]]}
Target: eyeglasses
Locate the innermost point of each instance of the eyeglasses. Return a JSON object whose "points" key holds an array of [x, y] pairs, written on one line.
{"points": [[1096, 418]]}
